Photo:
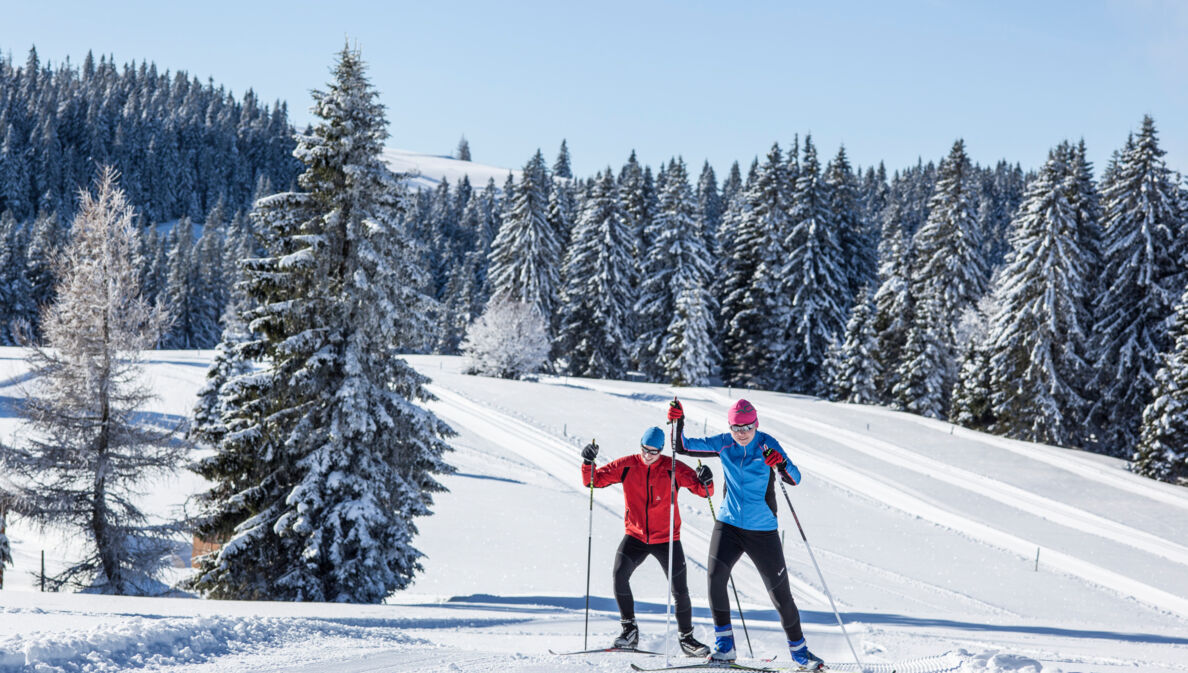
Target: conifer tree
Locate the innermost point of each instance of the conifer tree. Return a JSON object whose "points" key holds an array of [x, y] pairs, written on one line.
{"points": [[1039, 339], [972, 403], [598, 297], [858, 243], [15, 290], [88, 449], [526, 254], [463, 151], [709, 202], [182, 291], [813, 280], [47, 239], [1162, 451], [561, 167], [327, 457], [921, 379], [855, 375], [1142, 276]]}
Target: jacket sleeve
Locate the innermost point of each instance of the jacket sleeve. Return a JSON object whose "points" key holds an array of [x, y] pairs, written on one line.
{"points": [[698, 447], [687, 477], [611, 473], [788, 470]]}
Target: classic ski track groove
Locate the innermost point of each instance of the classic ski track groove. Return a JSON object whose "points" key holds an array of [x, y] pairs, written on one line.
{"points": [[853, 480]]}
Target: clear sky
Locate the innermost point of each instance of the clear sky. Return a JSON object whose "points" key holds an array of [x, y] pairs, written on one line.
{"points": [[711, 80]]}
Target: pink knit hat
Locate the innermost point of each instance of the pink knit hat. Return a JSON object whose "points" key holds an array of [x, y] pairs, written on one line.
{"points": [[742, 413]]}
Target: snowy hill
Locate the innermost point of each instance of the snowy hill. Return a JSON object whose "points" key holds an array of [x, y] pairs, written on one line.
{"points": [[927, 536], [430, 169]]}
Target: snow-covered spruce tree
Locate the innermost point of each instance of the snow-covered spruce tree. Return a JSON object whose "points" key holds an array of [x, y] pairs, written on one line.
{"points": [[15, 290], [752, 248], [87, 451], [677, 260], [5, 547], [327, 457], [894, 308], [561, 167], [526, 254], [855, 374], [463, 151], [183, 295], [813, 278], [921, 380], [1162, 451], [858, 243], [1142, 276], [709, 202], [972, 405], [598, 297], [46, 240], [509, 340], [1038, 337], [690, 356]]}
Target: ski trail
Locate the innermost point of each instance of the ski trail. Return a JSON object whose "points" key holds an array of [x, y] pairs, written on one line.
{"points": [[1012, 496], [858, 483], [558, 459]]}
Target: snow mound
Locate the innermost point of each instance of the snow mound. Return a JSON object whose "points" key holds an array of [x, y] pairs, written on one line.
{"points": [[140, 642], [430, 169], [993, 661]]}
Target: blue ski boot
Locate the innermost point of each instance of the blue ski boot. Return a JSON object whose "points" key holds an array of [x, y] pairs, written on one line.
{"points": [[723, 645], [803, 658]]}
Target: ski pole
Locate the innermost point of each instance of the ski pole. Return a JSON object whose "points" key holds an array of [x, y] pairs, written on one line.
{"points": [[671, 520], [589, 555], [837, 614], [737, 603]]}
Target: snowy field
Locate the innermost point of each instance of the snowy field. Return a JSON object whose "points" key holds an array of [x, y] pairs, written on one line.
{"points": [[927, 535]]}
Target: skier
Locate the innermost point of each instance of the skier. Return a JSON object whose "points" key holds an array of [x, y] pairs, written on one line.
{"points": [[747, 522], [646, 479]]}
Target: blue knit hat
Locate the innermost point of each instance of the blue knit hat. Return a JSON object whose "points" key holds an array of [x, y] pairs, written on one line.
{"points": [[653, 438]]}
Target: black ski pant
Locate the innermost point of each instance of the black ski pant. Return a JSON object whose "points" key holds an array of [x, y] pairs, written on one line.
{"points": [[763, 547], [632, 552]]}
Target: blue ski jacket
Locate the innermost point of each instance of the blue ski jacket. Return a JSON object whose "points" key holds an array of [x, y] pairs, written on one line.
{"points": [[749, 484]]}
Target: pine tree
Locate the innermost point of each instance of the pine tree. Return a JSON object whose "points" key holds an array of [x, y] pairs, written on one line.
{"points": [[858, 243], [561, 167], [894, 305], [598, 297], [1162, 451], [463, 151], [1142, 276], [182, 291], [813, 278], [920, 382], [526, 254], [88, 449], [327, 457], [855, 375], [47, 239], [709, 202], [1039, 336], [15, 290]]}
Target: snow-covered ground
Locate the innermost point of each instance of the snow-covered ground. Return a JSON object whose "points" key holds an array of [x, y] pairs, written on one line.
{"points": [[430, 169], [927, 535]]}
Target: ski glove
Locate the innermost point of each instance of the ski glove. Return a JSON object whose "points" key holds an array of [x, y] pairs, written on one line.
{"points": [[589, 453], [704, 475], [675, 410], [772, 457]]}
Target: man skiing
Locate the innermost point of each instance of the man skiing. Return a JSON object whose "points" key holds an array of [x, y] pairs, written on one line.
{"points": [[747, 522], [647, 485]]}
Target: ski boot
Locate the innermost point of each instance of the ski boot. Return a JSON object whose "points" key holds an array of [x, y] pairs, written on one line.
{"points": [[803, 658], [723, 646], [692, 647], [629, 638]]}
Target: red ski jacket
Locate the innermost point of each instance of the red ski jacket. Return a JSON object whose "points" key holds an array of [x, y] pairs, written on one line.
{"points": [[645, 493]]}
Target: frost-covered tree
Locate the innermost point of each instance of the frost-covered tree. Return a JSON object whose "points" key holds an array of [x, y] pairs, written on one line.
{"points": [[894, 307], [1038, 338], [972, 404], [88, 451], [812, 279], [690, 357], [5, 547], [751, 245], [709, 202], [509, 340], [598, 297], [855, 374], [463, 151], [183, 294], [1162, 451], [676, 261], [15, 289], [859, 244], [1142, 275], [921, 380], [526, 254], [328, 455], [561, 167]]}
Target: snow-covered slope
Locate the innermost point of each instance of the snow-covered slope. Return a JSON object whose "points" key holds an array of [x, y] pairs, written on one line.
{"points": [[430, 169], [927, 536]]}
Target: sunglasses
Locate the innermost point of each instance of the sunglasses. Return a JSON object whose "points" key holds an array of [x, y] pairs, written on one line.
{"points": [[743, 428], [649, 450]]}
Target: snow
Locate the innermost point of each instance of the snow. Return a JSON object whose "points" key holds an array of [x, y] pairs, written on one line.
{"points": [[926, 534], [430, 169]]}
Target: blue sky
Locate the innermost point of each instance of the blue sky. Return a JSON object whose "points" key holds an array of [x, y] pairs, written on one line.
{"points": [[892, 81]]}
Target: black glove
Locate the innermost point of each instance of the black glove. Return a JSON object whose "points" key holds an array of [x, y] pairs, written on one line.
{"points": [[590, 453], [704, 475]]}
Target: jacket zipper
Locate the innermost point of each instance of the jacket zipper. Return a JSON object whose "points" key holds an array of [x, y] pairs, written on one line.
{"points": [[647, 509]]}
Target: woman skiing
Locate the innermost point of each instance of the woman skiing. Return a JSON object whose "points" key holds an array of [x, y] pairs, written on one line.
{"points": [[747, 522], [646, 479]]}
